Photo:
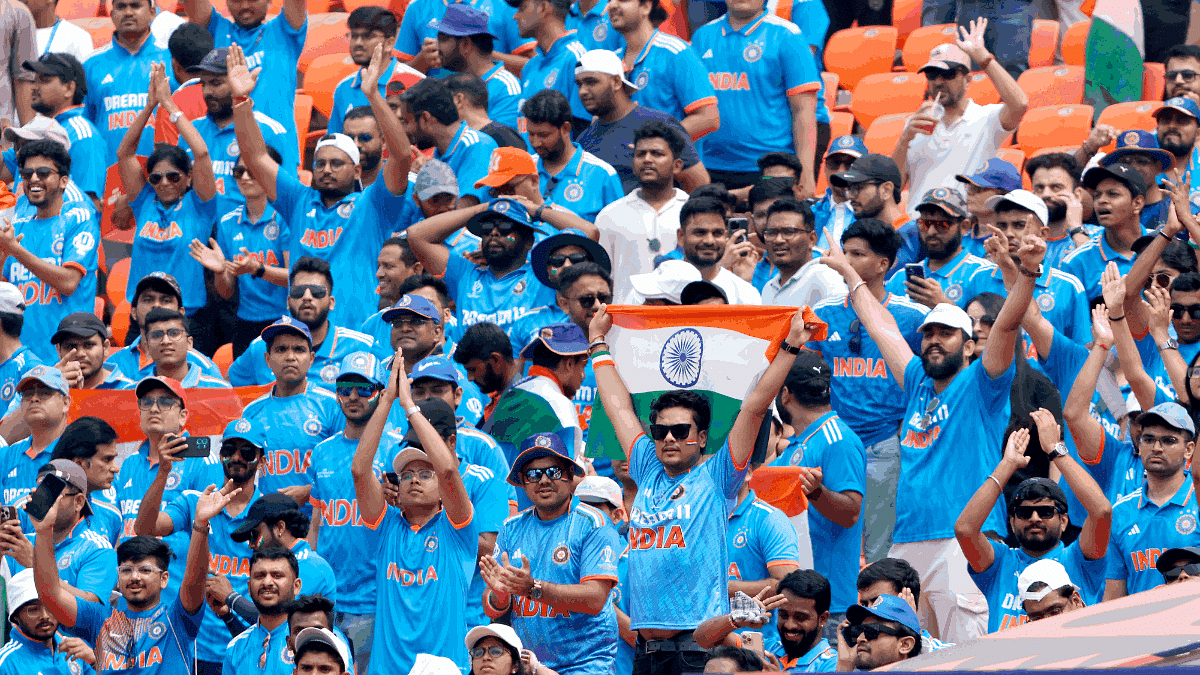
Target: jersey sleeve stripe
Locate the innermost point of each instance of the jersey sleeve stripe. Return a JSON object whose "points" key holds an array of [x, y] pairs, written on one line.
{"points": [[699, 103], [806, 88], [459, 526], [782, 562], [601, 577]]}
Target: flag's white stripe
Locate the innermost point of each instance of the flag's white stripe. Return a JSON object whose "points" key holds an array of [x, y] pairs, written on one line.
{"points": [[730, 365]]}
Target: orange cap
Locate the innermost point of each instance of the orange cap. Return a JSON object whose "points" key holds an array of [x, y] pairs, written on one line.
{"points": [[506, 164]]}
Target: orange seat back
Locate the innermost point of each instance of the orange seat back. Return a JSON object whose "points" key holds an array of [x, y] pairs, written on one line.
{"points": [[120, 324], [223, 358], [1042, 43], [922, 41], [326, 35], [1055, 125], [883, 133], [886, 93], [1154, 78], [841, 123], [906, 17], [100, 28], [118, 281], [302, 111], [323, 77], [1074, 43], [77, 9], [854, 53], [1053, 85], [982, 90]]}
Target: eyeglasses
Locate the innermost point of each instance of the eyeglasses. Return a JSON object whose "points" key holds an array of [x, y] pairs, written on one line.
{"points": [[1192, 310], [1194, 371], [40, 393], [1148, 440], [247, 453], [678, 431], [362, 389], [172, 177], [943, 225], [927, 418], [42, 172], [1162, 280], [163, 402], [1192, 569], [783, 232], [1187, 75], [871, 631], [158, 335], [856, 336], [318, 292], [495, 651], [409, 320], [333, 164], [586, 301], [501, 225], [1025, 512], [142, 571], [858, 187], [362, 138], [557, 260], [940, 74], [238, 172], [551, 472], [423, 474]]}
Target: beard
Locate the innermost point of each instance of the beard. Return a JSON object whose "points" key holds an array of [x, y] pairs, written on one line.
{"points": [[940, 371], [1178, 149], [319, 321], [947, 251], [43, 108], [503, 258], [800, 647], [1040, 543], [370, 160], [1056, 210]]}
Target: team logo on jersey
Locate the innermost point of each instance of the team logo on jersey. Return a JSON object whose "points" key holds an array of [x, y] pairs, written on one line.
{"points": [[1131, 138], [173, 480], [600, 32], [7, 391], [954, 292], [1185, 524], [329, 372], [476, 289], [678, 493], [286, 655], [752, 52], [233, 150], [431, 543], [312, 426], [573, 192], [739, 540], [344, 210], [1046, 301], [242, 426], [550, 78], [520, 287], [680, 358], [64, 562], [57, 246], [607, 556], [83, 242], [271, 231], [643, 78], [73, 665], [156, 630], [797, 455], [561, 554]]}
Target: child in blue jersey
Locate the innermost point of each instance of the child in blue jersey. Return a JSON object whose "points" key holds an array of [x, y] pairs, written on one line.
{"points": [[33, 647]]}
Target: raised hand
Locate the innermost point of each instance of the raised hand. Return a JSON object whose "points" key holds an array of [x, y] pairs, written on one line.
{"points": [[600, 324], [799, 332], [1113, 285], [970, 40], [1014, 450], [374, 70], [211, 256], [1049, 431], [1032, 252], [241, 79], [835, 258], [212, 502], [1101, 331], [1158, 304]]}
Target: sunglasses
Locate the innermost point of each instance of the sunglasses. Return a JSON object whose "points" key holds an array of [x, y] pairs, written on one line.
{"points": [[42, 172], [1043, 512], [551, 472], [678, 431], [557, 260], [238, 172], [586, 301], [1187, 75], [163, 402], [1162, 280], [1192, 311], [501, 225], [248, 454], [939, 74], [333, 164], [856, 336], [172, 177], [1192, 569], [943, 225], [363, 390], [494, 651], [318, 292], [363, 138], [871, 631]]}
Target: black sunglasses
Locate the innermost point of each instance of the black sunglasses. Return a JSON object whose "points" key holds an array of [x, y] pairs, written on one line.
{"points": [[1025, 512], [42, 172], [679, 431], [501, 225], [172, 177], [229, 450], [856, 336], [1192, 310], [238, 172], [1192, 569], [871, 631], [362, 138], [1187, 75], [557, 260], [551, 472], [318, 292], [586, 301]]}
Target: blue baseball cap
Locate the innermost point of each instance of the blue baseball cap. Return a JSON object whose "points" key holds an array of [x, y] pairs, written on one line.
{"points": [[438, 367], [366, 366], [47, 375], [1184, 105], [1139, 141], [1169, 414], [886, 608], [847, 145], [542, 250], [412, 304], [997, 174], [566, 339], [504, 207], [537, 446], [247, 430], [461, 20], [286, 324]]}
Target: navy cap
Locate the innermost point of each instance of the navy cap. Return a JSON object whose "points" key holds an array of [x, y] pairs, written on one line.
{"points": [[565, 339], [870, 167], [213, 62], [63, 66], [547, 246], [537, 446], [505, 208], [248, 430], [1168, 558], [1121, 172], [461, 20], [997, 174], [847, 145], [1137, 141], [886, 608], [268, 506], [438, 367], [1045, 489], [162, 281], [1184, 105], [366, 366], [439, 414], [81, 325], [412, 304], [286, 324]]}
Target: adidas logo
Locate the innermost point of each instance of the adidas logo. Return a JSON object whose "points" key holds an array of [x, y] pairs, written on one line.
{"points": [[107, 79], [707, 55], [12, 474], [1134, 530], [836, 337]]}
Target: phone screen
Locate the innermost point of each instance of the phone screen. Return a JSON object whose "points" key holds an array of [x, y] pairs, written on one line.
{"points": [[44, 496]]}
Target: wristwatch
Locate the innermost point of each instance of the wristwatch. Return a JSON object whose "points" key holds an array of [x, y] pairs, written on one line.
{"points": [[1172, 343], [1077, 230], [535, 593], [1059, 450], [175, 116], [783, 344]]}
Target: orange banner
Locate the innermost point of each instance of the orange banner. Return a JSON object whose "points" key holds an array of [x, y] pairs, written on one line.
{"points": [[209, 410]]}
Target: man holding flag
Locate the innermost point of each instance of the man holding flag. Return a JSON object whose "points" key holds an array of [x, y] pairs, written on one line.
{"points": [[682, 509]]}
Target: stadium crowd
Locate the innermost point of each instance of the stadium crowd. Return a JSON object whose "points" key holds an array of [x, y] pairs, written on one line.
{"points": [[981, 414]]}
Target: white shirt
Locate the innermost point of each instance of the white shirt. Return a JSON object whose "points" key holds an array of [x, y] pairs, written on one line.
{"points": [[810, 284], [634, 234], [737, 290], [964, 148], [68, 39]]}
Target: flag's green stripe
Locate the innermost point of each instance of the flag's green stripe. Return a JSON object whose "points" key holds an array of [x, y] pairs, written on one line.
{"points": [[1114, 67], [602, 439]]}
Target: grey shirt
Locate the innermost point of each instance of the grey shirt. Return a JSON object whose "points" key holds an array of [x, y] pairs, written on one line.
{"points": [[19, 44]]}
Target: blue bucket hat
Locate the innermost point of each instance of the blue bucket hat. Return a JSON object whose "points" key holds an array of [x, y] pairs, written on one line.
{"points": [[539, 253], [1139, 141], [538, 446], [461, 20], [566, 339], [505, 208]]}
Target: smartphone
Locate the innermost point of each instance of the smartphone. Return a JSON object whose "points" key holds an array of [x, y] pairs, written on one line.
{"points": [[44, 496], [738, 224], [913, 271], [8, 513], [392, 477], [753, 640], [197, 446]]}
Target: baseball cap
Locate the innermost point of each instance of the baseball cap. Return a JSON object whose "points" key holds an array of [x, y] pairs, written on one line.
{"points": [[666, 282], [1166, 560], [213, 62], [870, 167], [437, 367], [946, 314], [847, 145], [997, 174], [341, 142], [1024, 199], [504, 207], [286, 324], [462, 20], [542, 250], [947, 56], [499, 631], [20, 590], [172, 385], [1184, 105], [63, 66], [412, 304], [1049, 572], [440, 415], [1169, 414], [811, 371], [698, 291], [537, 446], [1137, 141], [75, 324], [506, 164], [950, 201], [1044, 489], [70, 472], [1122, 172], [163, 282], [606, 62], [47, 375], [248, 430], [886, 608], [435, 178], [39, 128], [267, 506], [323, 636], [600, 489], [565, 339], [11, 299], [364, 364], [428, 664]]}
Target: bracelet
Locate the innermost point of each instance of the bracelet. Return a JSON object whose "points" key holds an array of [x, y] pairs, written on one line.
{"points": [[1102, 346], [1116, 319], [207, 529], [1077, 230], [240, 99], [857, 286], [1164, 234], [1029, 273], [411, 410], [604, 359], [997, 482], [597, 343]]}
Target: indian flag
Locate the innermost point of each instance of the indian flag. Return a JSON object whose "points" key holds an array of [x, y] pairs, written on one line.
{"points": [[1115, 51], [718, 351]]}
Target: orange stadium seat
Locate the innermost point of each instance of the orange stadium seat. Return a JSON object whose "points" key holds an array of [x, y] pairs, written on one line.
{"points": [[1074, 43], [120, 324], [78, 9], [884, 132], [831, 86], [854, 53], [1042, 43], [1067, 149], [326, 35], [1130, 115], [906, 17], [99, 27], [303, 114], [1154, 76], [981, 90], [118, 280], [322, 78], [1055, 125], [885, 93], [98, 308], [1053, 85], [841, 124], [223, 358], [922, 41]]}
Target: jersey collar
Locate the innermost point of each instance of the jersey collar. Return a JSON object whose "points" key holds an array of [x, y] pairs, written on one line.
{"points": [[800, 664], [561, 43], [462, 129], [68, 113], [496, 67], [267, 216], [599, 9], [727, 28], [1107, 252], [356, 83], [812, 429], [149, 39], [1052, 554], [745, 506], [950, 267], [573, 167], [29, 643], [1182, 496], [645, 49]]}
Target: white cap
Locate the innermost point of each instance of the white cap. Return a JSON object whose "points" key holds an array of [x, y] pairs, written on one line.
{"points": [[39, 128], [428, 664], [945, 314], [499, 631], [20, 590], [1050, 572], [604, 61], [602, 488], [341, 142], [326, 637], [1024, 199], [666, 282], [11, 300], [408, 456]]}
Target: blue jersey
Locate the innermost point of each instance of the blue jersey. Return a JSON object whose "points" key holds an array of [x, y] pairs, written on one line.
{"points": [[349, 94], [316, 574], [1057, 250], [421, 19], [422, 572], [490, 496], [576, 547], [864, 392], [347, 235], [293, 426], [274, 46], [22, 463], [117, 84], [670, 77], [136, 364], [830, 445], [594, 28], [952, 276], [760, 537], [258, 651], [999, 582], [89, 151], [527, 328], [624, 662], [504, 95], [822, 658], [251, 367], [679, 524], [481, 297], [162, 240], [585, 185], [1153, 364], [1059, 295], [23, 655], [754, 70], [1142, 530], [68, 240], [157, 641], [196, 379], [106, 519], [553, 69], [224, 152], [1087, 263], [949, 442], [86, 560], [468, 155], [11, 371], [266, 240], [1117, 469]]}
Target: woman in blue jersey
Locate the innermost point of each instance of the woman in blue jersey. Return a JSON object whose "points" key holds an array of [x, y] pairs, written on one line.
{"points": [[172, 198]]}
